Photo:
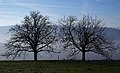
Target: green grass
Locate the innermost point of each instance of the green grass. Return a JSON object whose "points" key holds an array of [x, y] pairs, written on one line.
{"points": [[59, 67]]}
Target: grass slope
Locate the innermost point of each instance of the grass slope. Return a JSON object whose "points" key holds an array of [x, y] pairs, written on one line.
{"points": [[59, 67]]}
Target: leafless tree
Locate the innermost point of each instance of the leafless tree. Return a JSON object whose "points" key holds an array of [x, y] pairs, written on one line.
{"points": [[85, 35], [34, 34]]}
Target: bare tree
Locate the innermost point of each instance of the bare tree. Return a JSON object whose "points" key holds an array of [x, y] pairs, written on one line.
{"points": [[85, 35], [34, 34]]}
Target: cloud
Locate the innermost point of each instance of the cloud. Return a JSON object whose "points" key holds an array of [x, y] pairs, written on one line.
{"points": [[6, 22], [97, 0], [118, 16], [13, 9], [35, 5], [9, 20], [86, 8], [10, 16]]}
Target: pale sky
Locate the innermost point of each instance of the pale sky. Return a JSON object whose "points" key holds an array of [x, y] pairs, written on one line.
{"points": [[13, 11]]}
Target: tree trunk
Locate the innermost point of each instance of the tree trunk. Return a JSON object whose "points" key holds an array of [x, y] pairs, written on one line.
{"points": [[83, 55], [35, 56]]}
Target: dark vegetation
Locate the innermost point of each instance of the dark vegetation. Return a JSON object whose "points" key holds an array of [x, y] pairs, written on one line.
{"points": [[36, 34], [85, 35], [59, 67]]}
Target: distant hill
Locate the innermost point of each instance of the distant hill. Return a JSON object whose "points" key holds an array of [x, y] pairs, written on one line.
{"points": [[4, 33], [111, 32]]}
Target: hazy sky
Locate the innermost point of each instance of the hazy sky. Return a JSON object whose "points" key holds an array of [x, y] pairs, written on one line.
{"points": [[13, 11]]}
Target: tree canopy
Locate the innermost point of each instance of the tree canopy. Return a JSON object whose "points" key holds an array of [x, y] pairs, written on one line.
{"points": [[35, 34], [85, 35]]}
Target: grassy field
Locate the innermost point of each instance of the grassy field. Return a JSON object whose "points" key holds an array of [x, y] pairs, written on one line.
{"points": [[59, 67]]}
